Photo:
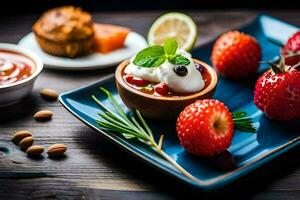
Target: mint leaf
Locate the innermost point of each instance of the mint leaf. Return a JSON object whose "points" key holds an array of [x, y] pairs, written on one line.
{"points": [[152, 56], [170, 47], [179, 60]]}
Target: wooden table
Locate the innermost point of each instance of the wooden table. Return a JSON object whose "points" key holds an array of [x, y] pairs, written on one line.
{"points": [[94, 167]]}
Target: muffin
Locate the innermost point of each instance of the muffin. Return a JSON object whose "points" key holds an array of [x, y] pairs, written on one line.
{"points": [[65, 31]]}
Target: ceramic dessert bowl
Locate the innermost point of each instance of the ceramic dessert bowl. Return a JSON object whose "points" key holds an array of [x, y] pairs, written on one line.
{"points": [[13, 92], [160, 107]]}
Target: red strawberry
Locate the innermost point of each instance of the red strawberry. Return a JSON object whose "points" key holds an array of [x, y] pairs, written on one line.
{"points": [[205, 128], [291, 48], [135, 80], [236, 55], [162, 89], [277, 93]]}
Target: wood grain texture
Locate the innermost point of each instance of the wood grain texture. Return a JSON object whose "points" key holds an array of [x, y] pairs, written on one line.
{"points": [[94, 168]]}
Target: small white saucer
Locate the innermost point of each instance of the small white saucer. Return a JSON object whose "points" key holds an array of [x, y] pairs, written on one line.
{"points": [[133, 44]]}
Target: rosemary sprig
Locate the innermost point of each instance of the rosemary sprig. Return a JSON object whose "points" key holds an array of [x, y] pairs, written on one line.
{"points": [[131, 128], [242, 122]]}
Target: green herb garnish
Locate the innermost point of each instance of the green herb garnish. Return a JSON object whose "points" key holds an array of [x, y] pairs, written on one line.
{"points": [[154, 56], [170, 47], [131, 128], [242, 122], [179, 60]]}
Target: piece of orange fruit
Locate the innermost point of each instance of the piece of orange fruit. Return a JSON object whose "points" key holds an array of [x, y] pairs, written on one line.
{"points": [[109, 37]]}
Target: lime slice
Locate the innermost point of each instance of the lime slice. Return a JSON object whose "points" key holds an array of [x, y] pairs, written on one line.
{"points": [[174, 25]]}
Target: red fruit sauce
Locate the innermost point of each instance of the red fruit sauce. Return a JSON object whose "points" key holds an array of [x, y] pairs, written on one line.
{"points": [[160, 89], [135, 80], [14, 67]]}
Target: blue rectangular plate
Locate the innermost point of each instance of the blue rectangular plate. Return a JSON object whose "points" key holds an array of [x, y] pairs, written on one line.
{"points": [[247, 152]]}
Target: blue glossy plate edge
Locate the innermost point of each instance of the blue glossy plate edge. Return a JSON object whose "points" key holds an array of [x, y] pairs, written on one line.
{"points": [[228, 177], [204, 185]]}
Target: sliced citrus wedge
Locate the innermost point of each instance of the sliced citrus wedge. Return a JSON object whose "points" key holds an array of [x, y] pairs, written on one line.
{"points": [[174, 25]]}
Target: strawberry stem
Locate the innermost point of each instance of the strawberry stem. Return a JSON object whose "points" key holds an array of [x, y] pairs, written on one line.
{"points": [[276, 69], [242, 122]]}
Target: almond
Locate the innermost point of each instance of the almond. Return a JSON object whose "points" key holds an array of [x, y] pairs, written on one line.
{"points": [[57, 149], [43, 115], [35, 150], [26, 142], [49, 94], [18, 136]]}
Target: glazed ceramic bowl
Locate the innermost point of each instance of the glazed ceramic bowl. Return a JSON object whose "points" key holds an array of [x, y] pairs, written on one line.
{"points": [[14, 92], [159, 107]]}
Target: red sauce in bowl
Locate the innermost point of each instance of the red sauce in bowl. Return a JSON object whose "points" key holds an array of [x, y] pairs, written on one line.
{"points": [[14, 67], [149, 88]]}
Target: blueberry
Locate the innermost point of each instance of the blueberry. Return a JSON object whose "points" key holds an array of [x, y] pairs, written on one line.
{"points": [[180, 70], [199, 67]]}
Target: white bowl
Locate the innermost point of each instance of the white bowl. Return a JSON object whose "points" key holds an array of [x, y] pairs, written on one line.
{"points": [[16, 91]]}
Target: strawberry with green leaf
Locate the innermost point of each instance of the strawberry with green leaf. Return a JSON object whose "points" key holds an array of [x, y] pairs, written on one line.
{"points": [[277, 91], [205, 128]]}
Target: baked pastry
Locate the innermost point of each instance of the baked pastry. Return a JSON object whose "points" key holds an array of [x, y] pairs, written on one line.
{"points": [[65, 31]]}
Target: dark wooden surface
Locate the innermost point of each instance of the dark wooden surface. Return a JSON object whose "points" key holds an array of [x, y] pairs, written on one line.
{"points": [[94, 168]]}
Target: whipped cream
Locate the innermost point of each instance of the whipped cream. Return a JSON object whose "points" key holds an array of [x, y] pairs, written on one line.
{"points": [[191, 82]]}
